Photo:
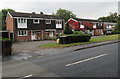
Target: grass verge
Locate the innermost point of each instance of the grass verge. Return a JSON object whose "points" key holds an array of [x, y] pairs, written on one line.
{"points": [[92, 40]]}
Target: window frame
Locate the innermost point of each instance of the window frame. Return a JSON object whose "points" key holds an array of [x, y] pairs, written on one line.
{"points": [[58, 22], [36, 22], [22, 33], [22, 20], [47, 20]]}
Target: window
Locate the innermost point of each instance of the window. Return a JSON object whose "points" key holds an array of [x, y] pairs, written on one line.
{"points": [[101, 24], [48, 21], [18, 20], [50, 34], [36, 21], [21, 20], [82, 23], [22, 33], [58, 22]]}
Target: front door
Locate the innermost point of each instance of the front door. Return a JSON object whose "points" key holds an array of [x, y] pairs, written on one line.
{"points": [[33, 35]]}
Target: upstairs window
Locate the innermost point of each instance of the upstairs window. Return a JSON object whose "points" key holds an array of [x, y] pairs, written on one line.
{"points": [[36, 21], [22, 20], [58, 22], [48, 21], [82, 23]]}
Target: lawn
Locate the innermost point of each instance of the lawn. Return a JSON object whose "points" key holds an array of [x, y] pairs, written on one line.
{"points": [[92, 40]]}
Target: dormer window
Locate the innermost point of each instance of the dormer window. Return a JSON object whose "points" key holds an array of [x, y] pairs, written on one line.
{"points": [[48, 21], [36, 21]]}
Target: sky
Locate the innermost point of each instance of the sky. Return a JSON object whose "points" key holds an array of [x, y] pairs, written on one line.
{"points": [[89, 9]]}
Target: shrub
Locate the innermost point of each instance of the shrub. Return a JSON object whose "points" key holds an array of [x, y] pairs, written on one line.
{"points": [[73, 38], [78, 32], [116, 32], [5, 39], [67, 30]]}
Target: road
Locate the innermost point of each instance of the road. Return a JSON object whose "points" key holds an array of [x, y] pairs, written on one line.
{"points": [[99, 61]]}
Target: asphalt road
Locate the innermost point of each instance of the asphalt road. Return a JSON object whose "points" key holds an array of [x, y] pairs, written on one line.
{"points": [[99, 61]]}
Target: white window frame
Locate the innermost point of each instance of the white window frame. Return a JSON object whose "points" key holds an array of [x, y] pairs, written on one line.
{"points": [[22, 20], [58, 22], [51, 34], [36, 22], [20, 33], [47, 22]]}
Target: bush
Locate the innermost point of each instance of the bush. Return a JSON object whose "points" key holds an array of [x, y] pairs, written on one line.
{"points": [[116, 32], [5, 39], [73, 38], [67, 30], [78, 32]]}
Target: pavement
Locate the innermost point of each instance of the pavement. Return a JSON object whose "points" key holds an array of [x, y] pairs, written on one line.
{"points": [[52, 51]]}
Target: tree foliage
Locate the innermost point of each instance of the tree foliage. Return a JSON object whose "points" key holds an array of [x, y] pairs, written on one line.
{"points": [[67, 29], [41, 12], [65, 14], [3, 14], [88, 25], [112, 17]]}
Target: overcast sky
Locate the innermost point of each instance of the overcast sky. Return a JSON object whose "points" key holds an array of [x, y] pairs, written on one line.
{"points": [[91, 9]]}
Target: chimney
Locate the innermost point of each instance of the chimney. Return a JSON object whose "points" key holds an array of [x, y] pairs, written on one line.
{"points": [[33, 13]]}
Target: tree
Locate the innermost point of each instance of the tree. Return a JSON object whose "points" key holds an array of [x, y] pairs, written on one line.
{"points": [[65, 14], [67, 29], [117, 27], [4, 14], [88, 25], [41, 12], [112, 17]]}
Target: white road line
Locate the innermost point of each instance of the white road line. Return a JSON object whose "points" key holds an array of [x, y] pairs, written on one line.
{"points": [[26, 76], [86, 59]]}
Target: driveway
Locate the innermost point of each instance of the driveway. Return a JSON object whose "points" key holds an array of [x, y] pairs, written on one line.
{"points": [[19, 47]]}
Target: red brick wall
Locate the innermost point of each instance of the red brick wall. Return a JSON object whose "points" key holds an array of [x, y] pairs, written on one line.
{"points": [[24, 38], [9, 23]]}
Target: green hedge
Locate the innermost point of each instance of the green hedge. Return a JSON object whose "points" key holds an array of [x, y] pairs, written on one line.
{"points": [[5, 39], [116, 32], [73, 38]]}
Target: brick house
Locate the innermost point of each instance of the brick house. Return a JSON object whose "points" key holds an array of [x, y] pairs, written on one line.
{"points": [[32, 26], [95, 27]]}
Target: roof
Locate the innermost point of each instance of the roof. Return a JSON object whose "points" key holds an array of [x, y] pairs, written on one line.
{"points": [[91, 20], [109, 23], [31, 15]]}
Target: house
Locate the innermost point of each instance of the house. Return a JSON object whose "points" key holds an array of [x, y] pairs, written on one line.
{"points": [[109, 27], [32, 26], [94, 27]]}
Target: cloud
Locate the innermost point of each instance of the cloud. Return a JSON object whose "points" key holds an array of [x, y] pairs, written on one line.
{"points": [[81, 9]]}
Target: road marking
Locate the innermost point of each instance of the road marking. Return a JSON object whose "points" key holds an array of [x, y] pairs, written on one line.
{"points": [[26, 76], [86, 59]]}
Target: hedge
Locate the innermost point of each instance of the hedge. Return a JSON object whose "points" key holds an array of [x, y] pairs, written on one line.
{"points": [[73, 38]]}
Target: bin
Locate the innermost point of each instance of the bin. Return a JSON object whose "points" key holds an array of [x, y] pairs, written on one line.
{"points": [[6, 48]]}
